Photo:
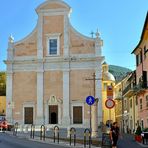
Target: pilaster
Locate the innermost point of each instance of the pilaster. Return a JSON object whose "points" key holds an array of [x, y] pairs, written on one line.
{"points": [[95, 119], [39, 36], [9, 81], [99, 92], [66, 99], [9, 99], [40, 88], [66, 35]]}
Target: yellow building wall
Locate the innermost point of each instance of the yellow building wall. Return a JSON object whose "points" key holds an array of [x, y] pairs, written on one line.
{"points": [[108, 114], [2, 105]]}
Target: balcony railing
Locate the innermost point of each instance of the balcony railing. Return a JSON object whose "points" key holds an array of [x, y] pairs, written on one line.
{"points": [[129, 89], [141, 86]]}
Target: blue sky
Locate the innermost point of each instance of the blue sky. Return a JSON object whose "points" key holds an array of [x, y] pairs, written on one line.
{"points": [[120, 23]]}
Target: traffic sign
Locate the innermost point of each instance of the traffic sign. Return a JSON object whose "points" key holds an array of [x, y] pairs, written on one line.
{"points": [[90, 100], [109, 92], [109, 103]]}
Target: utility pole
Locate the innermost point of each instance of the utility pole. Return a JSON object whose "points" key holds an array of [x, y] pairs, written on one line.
{"points": [[94, 80], [94, 91]]}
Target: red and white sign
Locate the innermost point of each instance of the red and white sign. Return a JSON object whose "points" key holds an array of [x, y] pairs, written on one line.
{"points": [[109, 92], [109, 103]]}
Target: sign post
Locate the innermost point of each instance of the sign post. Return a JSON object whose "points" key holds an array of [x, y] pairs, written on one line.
{"points": [[109, 97], [109, 103], [90, 100]]}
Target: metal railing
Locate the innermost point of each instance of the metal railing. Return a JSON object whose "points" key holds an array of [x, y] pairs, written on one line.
{"points": [[15, 129], [32, 131], [73, 132], [129, 87], [87, 137], [56, 134], [42, 132]]}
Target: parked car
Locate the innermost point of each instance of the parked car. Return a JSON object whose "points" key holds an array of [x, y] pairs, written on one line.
{"points": [[3, 123]]}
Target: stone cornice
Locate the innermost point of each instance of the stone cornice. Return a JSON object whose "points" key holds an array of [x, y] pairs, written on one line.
{"points": [[73, 58]]}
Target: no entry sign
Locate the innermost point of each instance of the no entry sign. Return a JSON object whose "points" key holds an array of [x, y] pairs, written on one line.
{"points": [[109, 103]]}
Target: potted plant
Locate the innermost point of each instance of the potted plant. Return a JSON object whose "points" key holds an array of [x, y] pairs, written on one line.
{"points": [[138, 132]]}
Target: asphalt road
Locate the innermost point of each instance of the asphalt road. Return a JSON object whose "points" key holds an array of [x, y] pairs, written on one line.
{"points": [[128, 142], [8, 141]]}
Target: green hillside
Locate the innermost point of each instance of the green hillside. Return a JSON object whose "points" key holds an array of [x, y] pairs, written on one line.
{"points": [[118, 72]]}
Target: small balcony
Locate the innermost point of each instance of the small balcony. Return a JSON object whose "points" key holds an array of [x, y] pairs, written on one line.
{"points": [[129, 90], [141, 87]]}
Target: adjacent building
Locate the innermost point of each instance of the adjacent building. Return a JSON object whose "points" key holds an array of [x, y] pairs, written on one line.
{"points": [[141, 53], [130, 111], [119, 104], [2, 93], [47, 72], [108, 80]]}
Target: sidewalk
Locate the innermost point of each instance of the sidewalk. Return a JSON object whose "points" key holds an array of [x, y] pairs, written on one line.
{"points": [[128, 142], [48, 140]]}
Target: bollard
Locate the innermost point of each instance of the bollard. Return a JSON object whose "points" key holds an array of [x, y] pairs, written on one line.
{"points": [[87, 135], [56, 134], [73, 132], [26, 129], [32, 131], [15, 129], [42, 132], [21, 128], [68, 132]]}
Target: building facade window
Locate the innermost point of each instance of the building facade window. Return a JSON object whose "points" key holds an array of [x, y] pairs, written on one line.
{"points": [[28, 115], [125, 104], [77, 115], [53, 45], [136, 100], [131, 103], [147, 101], [145, 51], [139, 58], [142, 124], [140, 104]]}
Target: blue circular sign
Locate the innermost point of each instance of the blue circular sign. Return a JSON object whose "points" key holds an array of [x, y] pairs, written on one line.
{"points": [[90, 100]]}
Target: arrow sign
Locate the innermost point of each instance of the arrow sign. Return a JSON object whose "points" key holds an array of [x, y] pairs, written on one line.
{"points": [[90, 100]]}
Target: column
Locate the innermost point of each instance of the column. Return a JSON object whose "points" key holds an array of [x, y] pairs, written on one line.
{"points": [[46, 113], [40, 71], [9, 80], [98, 53], [66, 95], [99, 92], [40, 114], [59, 113], [9, 114], [95, 119], [66, 100]]}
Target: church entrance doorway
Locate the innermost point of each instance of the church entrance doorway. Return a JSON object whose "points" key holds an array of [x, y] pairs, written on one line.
{"points": [[53, 114]]}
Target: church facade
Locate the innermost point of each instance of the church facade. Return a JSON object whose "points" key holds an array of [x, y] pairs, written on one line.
{"points": [[47, 72]]}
